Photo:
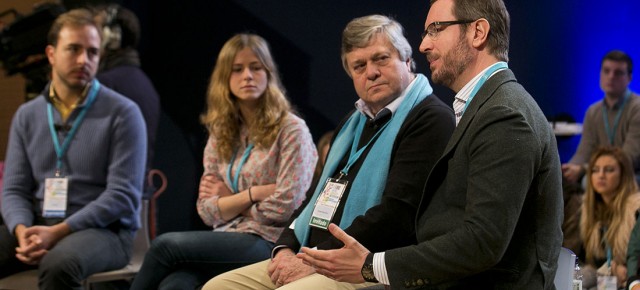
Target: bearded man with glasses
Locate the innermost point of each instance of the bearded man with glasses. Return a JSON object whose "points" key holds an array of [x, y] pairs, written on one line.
{"points": [[491, 208]]}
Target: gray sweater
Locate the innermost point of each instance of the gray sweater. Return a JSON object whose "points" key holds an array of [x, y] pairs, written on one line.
{"points": [[105, 163], [627, 134]]}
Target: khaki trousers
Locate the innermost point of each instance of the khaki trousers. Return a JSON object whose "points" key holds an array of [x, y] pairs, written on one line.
{"points": [[255, 277]]}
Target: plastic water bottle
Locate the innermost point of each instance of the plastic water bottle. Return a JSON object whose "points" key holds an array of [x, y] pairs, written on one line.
{"points": [[577, 277]]}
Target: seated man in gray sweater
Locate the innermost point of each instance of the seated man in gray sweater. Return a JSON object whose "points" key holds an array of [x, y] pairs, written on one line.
{"points": [[74, 168]]}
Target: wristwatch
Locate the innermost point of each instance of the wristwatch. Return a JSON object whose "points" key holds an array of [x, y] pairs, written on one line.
{"points": [[367, 269]]}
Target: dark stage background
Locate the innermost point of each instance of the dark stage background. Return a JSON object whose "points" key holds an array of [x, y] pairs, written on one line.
{"points": [[556, 47]]}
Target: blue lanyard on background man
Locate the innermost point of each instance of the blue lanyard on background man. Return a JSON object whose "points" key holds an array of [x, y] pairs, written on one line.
{"points": [[60, 151], [605, 117], [234, 181], [492, 69]]}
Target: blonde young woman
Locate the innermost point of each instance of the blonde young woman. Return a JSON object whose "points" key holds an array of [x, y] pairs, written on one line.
{"points": [[258, 164], [609, 210]]}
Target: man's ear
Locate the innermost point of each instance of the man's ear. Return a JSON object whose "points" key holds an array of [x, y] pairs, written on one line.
{"points": [[481, 30], [49, 50]]}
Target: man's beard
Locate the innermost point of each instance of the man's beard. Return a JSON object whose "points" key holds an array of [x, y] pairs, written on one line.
{"points": [[453, 64]]}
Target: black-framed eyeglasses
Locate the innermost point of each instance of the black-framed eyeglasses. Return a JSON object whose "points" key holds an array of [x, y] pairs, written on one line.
{"points": [[435, 27]]}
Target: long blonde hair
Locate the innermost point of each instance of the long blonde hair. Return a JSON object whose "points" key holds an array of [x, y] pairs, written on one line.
{"points": [[619, 217], [222, 118]]}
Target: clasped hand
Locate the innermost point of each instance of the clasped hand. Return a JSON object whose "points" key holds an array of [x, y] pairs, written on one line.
{"points": [[286, 268], [34, 242], [572, 172]]}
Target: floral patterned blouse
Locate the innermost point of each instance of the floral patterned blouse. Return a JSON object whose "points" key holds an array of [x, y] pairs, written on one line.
{"points": [[289, 163]]}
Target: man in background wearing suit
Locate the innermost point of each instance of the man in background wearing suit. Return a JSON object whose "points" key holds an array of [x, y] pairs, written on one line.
{"points": [[491, 210]]}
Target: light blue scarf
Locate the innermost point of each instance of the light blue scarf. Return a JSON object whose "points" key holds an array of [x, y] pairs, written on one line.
{"points": [[368, 185]]}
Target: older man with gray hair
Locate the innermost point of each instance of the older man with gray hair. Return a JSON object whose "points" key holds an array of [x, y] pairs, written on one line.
{"points": [[375, 169]]}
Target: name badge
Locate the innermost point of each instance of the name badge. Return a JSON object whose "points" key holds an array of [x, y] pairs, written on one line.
{"points": [[327, 203], [607, 283], [55, 197]]}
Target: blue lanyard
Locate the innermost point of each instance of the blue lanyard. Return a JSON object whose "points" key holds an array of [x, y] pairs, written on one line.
{"points": [[606, 245], [60, 151], [492, 69], [234, 181], [605, 117], [355, 154]]}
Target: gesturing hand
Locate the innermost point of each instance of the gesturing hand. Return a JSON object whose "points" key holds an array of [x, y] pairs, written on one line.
{"points": [[343, 264]]}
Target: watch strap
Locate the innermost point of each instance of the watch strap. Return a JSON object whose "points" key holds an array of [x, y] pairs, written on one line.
{"points": [[367, 269]]}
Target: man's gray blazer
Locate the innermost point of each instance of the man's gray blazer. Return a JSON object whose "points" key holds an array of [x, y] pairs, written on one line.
{"points": [[491, 211]]}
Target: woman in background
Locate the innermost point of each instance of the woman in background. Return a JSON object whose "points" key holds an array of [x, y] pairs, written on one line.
{"points": [[258, 165], [608, 215], [323, 150]]}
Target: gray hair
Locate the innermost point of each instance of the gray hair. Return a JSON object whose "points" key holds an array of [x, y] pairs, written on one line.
{"points": [[360, 31]]}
